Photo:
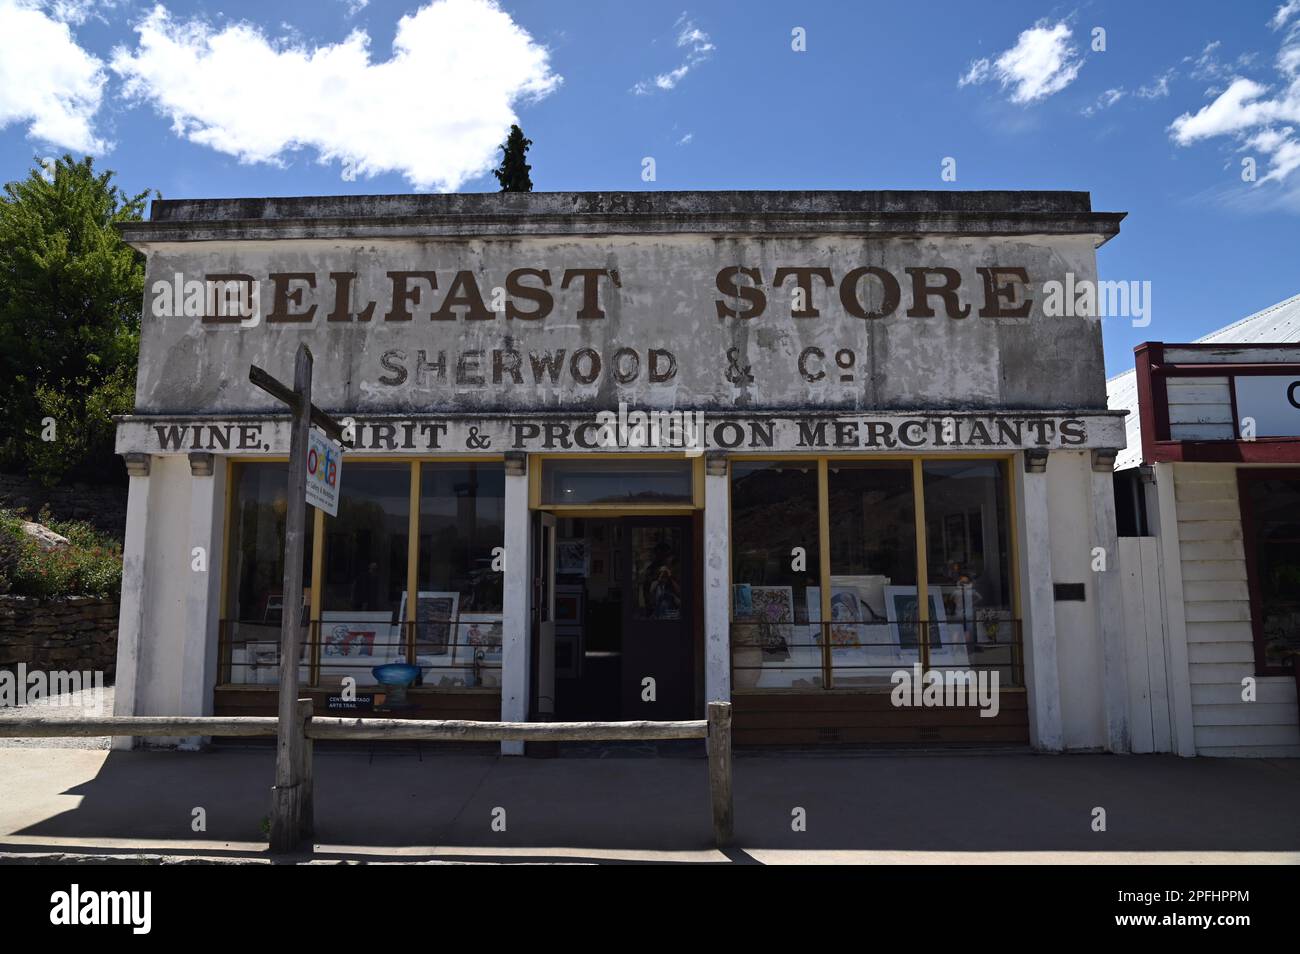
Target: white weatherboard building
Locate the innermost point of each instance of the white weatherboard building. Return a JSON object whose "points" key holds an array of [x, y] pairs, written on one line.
{"points": [[1208, 492], [898, 459]]}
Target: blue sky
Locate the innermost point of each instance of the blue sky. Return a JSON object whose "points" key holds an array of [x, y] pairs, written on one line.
{"points": [[265, 98]]}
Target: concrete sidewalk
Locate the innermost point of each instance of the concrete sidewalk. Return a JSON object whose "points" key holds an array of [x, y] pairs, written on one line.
{"points": [[918, 808]]}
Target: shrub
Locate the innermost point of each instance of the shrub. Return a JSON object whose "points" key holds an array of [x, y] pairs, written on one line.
{"points": [[90, 566]]}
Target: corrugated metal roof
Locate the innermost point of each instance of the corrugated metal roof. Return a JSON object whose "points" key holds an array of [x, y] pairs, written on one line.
{"points": [[1276, 324]]}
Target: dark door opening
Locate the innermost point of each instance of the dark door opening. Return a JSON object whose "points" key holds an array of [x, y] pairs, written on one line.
{"points": [[624, 618]]}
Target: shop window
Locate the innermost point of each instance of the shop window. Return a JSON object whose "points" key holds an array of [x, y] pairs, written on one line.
{"points": [[1271, 525], [622, 482], [250, 650], [968, 559], [458, 617], [775, 575], [872, 628], [363, 592]]}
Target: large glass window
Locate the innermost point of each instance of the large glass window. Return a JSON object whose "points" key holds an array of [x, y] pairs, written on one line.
{"points": [[968, 558], [364, 587], [453, 630], [860, 619], [459, 610], [1272, 528], [775, 575], [250, 650], [872, 628]]}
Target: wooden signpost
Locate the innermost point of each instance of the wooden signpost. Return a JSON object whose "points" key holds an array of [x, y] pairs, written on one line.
{"points": [[291, 797]]}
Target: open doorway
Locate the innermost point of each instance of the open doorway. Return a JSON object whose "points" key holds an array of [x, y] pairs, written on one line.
{"points": [[623, 609]]}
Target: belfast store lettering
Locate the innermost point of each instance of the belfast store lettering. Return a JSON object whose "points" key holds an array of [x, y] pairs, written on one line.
{"points": [[533, 294]]}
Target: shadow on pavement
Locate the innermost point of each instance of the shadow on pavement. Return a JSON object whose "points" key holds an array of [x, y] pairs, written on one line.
{"points": [[985, 802]]}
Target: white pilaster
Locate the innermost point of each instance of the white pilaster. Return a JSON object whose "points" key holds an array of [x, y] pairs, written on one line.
{"points": [[1171, 575], [717, 582], [130, 622], [515, 664], [202, 612], [1042, 677], [1109, 601]]}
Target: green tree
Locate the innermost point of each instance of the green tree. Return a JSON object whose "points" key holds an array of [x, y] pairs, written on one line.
{"points": [[70, 299], [514, 168]]}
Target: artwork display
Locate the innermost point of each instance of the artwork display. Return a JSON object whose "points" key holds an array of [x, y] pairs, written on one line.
{"points": [[274, 611], [773, 614], [571, 556], [742, 602], [902, 605], [846, 615], [435, 616], [353, 642], [481, 632], [570, 605], [959, 605], [858, 602], [813, 600]]}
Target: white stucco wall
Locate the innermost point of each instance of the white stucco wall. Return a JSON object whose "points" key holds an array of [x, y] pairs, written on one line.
{"points": [[169, 664], [160, 653], [1078, 636]]}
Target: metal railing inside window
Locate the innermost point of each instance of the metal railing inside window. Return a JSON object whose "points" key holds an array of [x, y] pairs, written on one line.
{"points": [[778, 654], [464, 653]]}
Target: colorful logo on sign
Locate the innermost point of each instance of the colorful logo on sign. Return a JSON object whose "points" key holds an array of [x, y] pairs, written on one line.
{"points": [[323, 465]]}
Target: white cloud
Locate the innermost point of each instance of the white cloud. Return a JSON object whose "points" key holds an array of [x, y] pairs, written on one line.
{"points": [[1284, 13], [356, 6], [1256, 116], [1041, 63], [1208, 66], [78, 12], [47, 80], [978, 72], [434, 111], [1105, 101], [698, 48], [1158, 88]]}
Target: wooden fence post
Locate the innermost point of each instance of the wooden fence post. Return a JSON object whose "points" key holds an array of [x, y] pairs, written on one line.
{"points": [[719, 746]]}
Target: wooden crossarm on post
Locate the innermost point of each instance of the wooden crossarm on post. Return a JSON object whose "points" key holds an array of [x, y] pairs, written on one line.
{"points": [[281, 392]]}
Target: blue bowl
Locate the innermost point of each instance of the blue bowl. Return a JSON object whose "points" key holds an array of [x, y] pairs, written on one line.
{"points": [[396, 674]]}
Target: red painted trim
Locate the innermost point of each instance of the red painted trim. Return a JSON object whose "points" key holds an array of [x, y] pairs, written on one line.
{"points": [[1143, 355], [1264, 450], [1221, 370], [1153, 375], [1231, 346]]}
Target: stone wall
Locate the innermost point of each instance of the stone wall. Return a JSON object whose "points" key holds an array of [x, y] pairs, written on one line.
{"points": [[72, 632], [101, 505]]}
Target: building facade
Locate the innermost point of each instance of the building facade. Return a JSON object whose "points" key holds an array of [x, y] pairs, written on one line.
{"points": [[615, 454], [1208, 491]]}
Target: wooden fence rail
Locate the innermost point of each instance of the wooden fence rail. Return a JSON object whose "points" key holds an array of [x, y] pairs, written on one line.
{"points": [[715, 730]]}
